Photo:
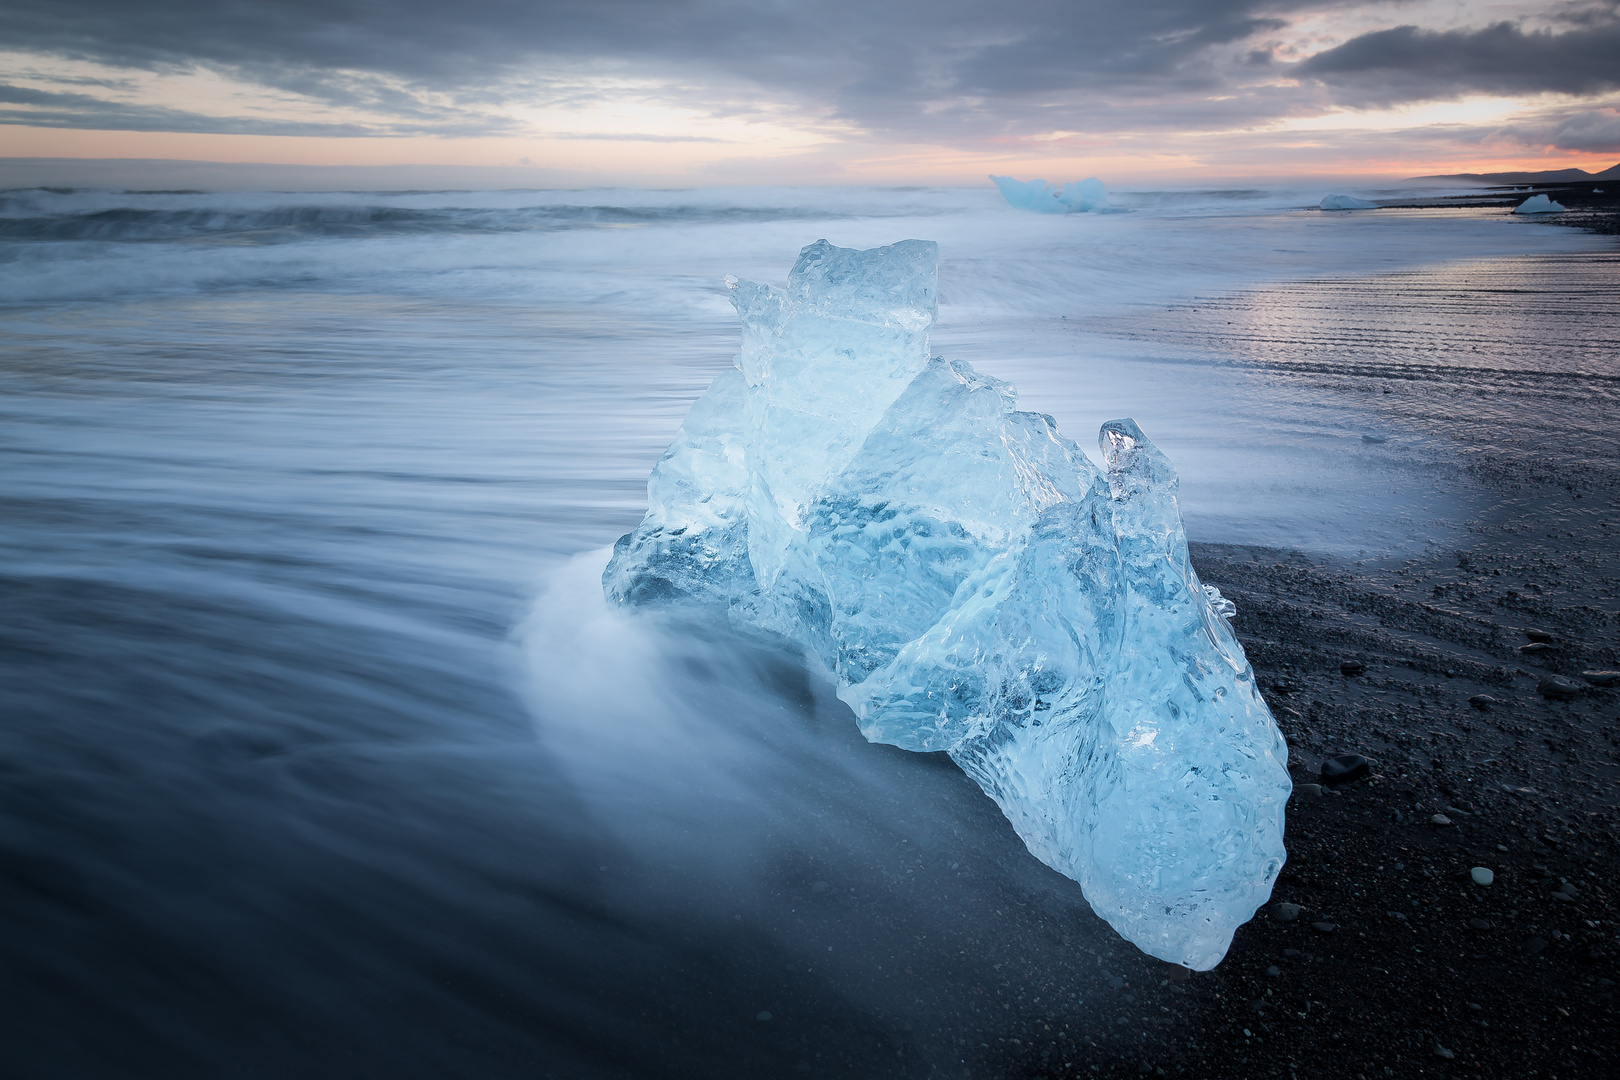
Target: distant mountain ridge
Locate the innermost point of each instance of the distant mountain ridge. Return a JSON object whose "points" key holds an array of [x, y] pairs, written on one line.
{"points": [[1551, 176]]}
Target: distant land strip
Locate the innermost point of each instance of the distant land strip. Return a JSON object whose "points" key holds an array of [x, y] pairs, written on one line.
{"points": [[1551, 176]]}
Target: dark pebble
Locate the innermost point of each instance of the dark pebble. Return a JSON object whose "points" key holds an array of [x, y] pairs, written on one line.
{"points": [[1536, 647], [1601, 678], [1345, 769], [1483, 701], [1323, 927], [1479, 924], [1534, 945], [1559, 686], [1352, 667], [1539, 636]]}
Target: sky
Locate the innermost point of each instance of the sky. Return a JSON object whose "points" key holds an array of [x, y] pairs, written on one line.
{"points": [[673, 92]]}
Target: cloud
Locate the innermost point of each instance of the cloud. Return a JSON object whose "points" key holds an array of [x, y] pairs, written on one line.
{"points": [[1596, 132], [1408, 63], [1589, 131], [920, 68], [971, 74], [53, 109], [638, 137]]}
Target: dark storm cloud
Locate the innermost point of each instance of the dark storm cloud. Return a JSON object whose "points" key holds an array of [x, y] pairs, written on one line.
{"points": [[1408, 63], [914, 65], [930, 69]]}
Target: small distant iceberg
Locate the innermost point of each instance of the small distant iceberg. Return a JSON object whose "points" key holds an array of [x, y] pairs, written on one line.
{"points": [[1539, 204], [1347, 202], [1043, 198]]}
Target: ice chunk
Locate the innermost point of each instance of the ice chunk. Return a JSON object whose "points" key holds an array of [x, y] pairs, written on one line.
{"points": [[1539, 204], [974, 584], [1347, 202], [1043, 198]]}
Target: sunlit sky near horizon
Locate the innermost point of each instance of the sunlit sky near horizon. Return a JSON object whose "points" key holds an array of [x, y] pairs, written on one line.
{"points": [[710, 91]]}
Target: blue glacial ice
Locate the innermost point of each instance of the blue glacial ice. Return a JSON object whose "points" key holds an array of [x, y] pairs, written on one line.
{"points": [[1043, 198], [1539, 204], [1346, 202], [973, 583]]}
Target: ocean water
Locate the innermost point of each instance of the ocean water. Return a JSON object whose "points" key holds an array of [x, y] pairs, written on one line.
{"points": [[321, 753]]}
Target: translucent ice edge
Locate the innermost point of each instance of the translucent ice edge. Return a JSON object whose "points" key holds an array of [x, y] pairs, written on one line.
{"points": [[974, 584]]}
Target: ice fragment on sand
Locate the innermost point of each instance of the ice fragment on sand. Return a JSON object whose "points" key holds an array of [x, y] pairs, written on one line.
{"points": [[1539, 204], [1043, 198], [1347, 202], [976, 585]]}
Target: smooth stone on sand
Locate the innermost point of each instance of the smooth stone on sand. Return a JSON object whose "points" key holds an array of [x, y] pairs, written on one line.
{"points": [[1309, 789], [1537, 635], [1439, 819], [1537, 647], [1559, 686], [1482, 875], [1345, 769], [1274, 971], [1479, 924], [1483, 701], [1351, 667], [1601, 678], [1285, 912], [1324, 927]]}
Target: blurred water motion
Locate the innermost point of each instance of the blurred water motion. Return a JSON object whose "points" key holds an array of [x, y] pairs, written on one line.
{"points": [[321, 755]]}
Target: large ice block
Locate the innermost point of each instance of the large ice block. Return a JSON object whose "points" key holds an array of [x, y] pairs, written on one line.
{"points": [[974, 584]]}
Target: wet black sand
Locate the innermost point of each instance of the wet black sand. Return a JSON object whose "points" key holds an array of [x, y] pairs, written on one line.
{"points": [[1425, 972], [1508, 367], [1593, 205], [1415, 970]]}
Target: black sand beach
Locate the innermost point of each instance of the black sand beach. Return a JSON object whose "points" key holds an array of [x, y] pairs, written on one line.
{"points": [[1397, 962]]}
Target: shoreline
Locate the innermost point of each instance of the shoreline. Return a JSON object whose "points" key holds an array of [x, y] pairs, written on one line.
{"points": [[1424, 972]]}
